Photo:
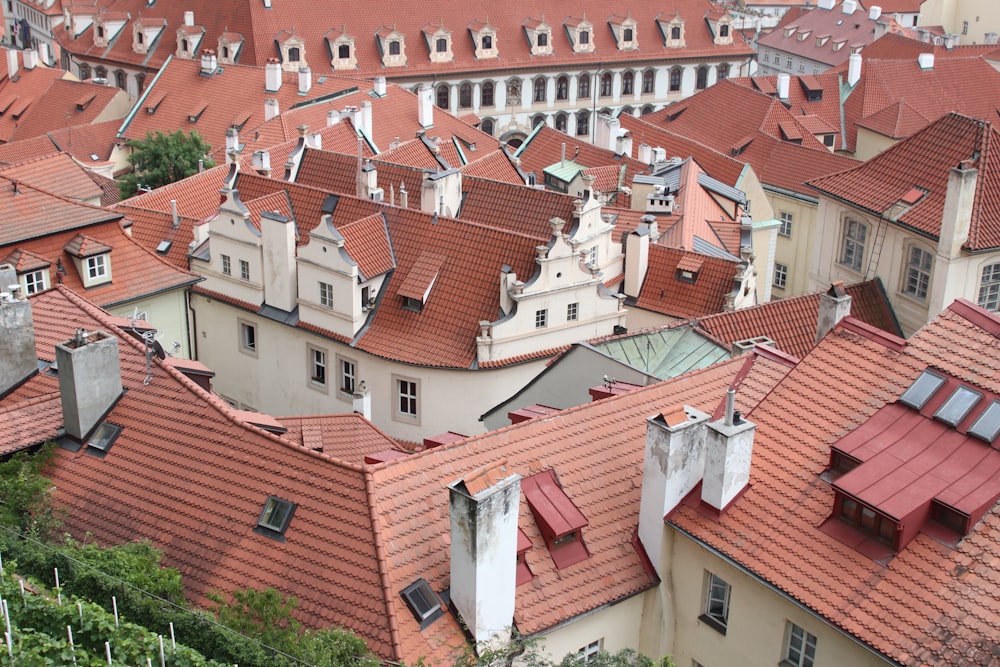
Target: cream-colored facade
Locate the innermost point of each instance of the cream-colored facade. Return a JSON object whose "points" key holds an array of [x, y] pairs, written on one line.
{"points": [[971, 19], [611, 629], [168, 314], [795, 227]]}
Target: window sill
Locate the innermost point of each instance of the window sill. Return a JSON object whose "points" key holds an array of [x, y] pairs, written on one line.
{"points": [[713, 623]]}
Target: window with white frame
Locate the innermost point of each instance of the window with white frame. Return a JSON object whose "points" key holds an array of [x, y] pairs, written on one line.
{"points": [[800, 647], [347, 371], [780, 275], [572, 312], [541, 318], [244, 270], [852, 252], [97, 267], [325, 294], [716, 610], [989, 287], [248, 338], [589, 652], [317, 367], [918, 273], [406, 398], [785, 229], [227, 265], [34, 281]]}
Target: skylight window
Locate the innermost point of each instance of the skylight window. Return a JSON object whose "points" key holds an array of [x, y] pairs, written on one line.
{"points": [[922, 389], [988, 425], [423, 602], [102, 438], [275, 517], [958, 405]]}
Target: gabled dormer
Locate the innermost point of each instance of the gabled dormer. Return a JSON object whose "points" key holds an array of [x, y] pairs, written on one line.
{"points": [[189, 39], [76, 20], [292, 50], [92, 259], [145, 32], [438, 39], [581, 34], [484, 39], [539, 35], [625, 30], [672, 29], [343, 55], [33, 271], [107, 26], [720, 22], [392, 46], [230, 44]]}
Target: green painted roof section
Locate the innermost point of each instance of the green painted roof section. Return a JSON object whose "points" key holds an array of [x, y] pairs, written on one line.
{"points": [[564, 170], [665, 353]]}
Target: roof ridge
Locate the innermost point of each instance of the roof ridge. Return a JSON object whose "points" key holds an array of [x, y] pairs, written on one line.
{"points": [[380, 558]]}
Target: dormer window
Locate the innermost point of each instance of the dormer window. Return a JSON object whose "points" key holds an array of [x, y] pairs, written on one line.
{"points": [[92, 259], [624, 30], [416, 287], [559, 520], [438, 43], [581, 32], [423, 602], [673, 32], [539, 35], [275, 518], [292, 49], [229, 47], [688, 268], [391, 46]]}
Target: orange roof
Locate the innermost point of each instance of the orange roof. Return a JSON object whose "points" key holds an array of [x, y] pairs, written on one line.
{"points": [[666, 291], [16, 96], [67, 103], [57, 173]]}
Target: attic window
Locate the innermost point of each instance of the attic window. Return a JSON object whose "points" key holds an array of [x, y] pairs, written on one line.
{"points": [[559, 520], [275, 517], [163, 247], [103, 437], [949, 517], [922, 389], [423, 602], [686, 276], [988, 425], [958, 405], [868, 520]]}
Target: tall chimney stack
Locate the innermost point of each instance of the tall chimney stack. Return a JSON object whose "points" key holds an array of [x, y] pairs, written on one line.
{"points": [[18, 359], [728, 452], [272, 75], [90, 380], [834, 305], [425, 106]]}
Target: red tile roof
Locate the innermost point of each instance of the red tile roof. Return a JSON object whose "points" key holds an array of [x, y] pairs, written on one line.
{"points": [[67, 103], [925, 160], [495, 166], [348, 437], [19, 96], [57, 173], [663, 291], [27, 212]]}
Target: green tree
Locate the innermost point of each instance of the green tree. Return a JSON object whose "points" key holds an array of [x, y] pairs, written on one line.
{"points": [[25, 501], [161, 158]]}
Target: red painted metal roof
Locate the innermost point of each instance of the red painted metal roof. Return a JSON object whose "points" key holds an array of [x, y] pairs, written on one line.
{"points": [[554, 512]]}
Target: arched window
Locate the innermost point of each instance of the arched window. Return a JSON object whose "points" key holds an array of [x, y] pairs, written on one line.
{"points": [[627, 110], [394, 47], [140, 81], [627, 35], [140, 37], [584, 86], [539, 90], [487, 41], [344, 51], [293, 54], [543, 39], [675, 79], [701, 78], [723, 72], [100, 72], [647, 109], [487, 94], [465, 95], [487, 126], [989, 287], [561, 122], [184, 46], [121, 79], [648, 78], [538, 120], [443, 95], [84, 71], [441, 46], [562, 88], [675, 32], [606, 84], [583, 122], [225, 53], [628, 83], [100, 32]]}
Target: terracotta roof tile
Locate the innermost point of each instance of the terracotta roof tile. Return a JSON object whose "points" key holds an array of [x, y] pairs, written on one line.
{"points": [[57, 173], [66, 103], [493, 166], [665, 291], [368, 243]]}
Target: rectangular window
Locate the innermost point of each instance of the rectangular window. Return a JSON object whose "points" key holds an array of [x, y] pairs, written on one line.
{"points": [[716, 611], [34, 282], [248, 338], [786, 224], [572, 312], [407, 398], [317, 366], [97, 267], [800, 649], [326, 294], [227, 265], [589, 652], [275, 518], [541, 318], [244, 270], [918, 273], [780, 275], [852, 253], [788, 62], [348, 372], [989, 287]]}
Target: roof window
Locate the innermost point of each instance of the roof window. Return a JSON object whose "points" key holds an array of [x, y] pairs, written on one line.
{"points": [[423, 602], [103, 438], [988, 425], [922, 389], [559, 520], [275, 518], [958, 405]]}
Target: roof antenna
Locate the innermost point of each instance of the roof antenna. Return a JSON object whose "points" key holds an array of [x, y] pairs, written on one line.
{"points": [[148, 339]]}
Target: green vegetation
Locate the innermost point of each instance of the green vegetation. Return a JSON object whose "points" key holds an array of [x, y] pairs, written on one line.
{"points": [[162, 158]]}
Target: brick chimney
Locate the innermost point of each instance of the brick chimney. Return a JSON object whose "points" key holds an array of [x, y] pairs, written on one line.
{"points": [[728, 452], [90, 380], [673, 465], [834, 305], [18, 360], [484, 510]]}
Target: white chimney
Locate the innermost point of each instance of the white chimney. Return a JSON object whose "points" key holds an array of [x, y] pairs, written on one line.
{"points": [[645, 154], [991, 38], [380, 86], [272, 75], [950, 41], [209, 62], [175, 219], [30, 57], [783, 81], [305, 80], [90, 380], [483, 508], [232, 144], [314, 140], [43, 54], [728, 452], [926, 60], [189, 18], [12, 65], [362, 397], [637, 254], [826, 4], [18, 359], [606, 131], [425, 106], [834, 305], [874, 12], [854, 69], [262, 161], [365, 118], [278, 242], [849, 6], [958, 206], [673, 464], [270, 108], [332, 118]]}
